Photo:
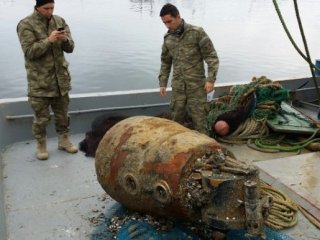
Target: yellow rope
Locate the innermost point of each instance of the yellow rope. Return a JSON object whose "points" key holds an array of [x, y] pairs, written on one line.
{"points": [[249, 129], [283, 212]]}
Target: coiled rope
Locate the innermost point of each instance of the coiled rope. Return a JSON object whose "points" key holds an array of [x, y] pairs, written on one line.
{"points": [[236, 105], [249, 129], [283, 212], [273, 143]]}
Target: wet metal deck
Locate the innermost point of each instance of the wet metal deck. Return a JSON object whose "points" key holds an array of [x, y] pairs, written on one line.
{"points": [[53, 199]]}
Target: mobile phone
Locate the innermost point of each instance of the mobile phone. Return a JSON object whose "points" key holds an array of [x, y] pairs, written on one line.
{"points": [[60, 28]]}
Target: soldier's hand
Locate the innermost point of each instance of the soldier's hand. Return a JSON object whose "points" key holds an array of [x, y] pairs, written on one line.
{"points": [[163, 91], [209, 87], [62, 35], [57, 35]]}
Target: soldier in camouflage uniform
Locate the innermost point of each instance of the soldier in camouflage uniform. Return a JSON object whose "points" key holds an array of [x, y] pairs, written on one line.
{"points": [[44, 38], [186, 47]]}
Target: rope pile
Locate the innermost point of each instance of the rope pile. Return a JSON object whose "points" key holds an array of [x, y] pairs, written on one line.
{"points": [[285, 143], [283, 212], [253, 130], [268, 96], [250, 129]]}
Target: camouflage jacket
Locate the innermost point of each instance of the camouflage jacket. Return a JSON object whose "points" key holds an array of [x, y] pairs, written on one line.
{"points": [[47, 69], [187, 54]]}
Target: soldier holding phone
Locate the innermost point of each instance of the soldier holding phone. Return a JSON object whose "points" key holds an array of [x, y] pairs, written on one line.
{"points": [[44, 39]]}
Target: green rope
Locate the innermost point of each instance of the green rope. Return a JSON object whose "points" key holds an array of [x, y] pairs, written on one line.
{"points": [[306, 58], [272, 139], [290, 37], [285, 148], [306, 140]]}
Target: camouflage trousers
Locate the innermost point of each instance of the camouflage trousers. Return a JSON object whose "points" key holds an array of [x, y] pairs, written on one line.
{"points": [[41, 108], [192, 102]]}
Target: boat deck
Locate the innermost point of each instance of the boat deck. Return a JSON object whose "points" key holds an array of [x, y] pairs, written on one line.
{"points": [[55, 199], [61, 198]]}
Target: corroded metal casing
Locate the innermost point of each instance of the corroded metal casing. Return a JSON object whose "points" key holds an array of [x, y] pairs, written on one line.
{"points": [[156, 166]]}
